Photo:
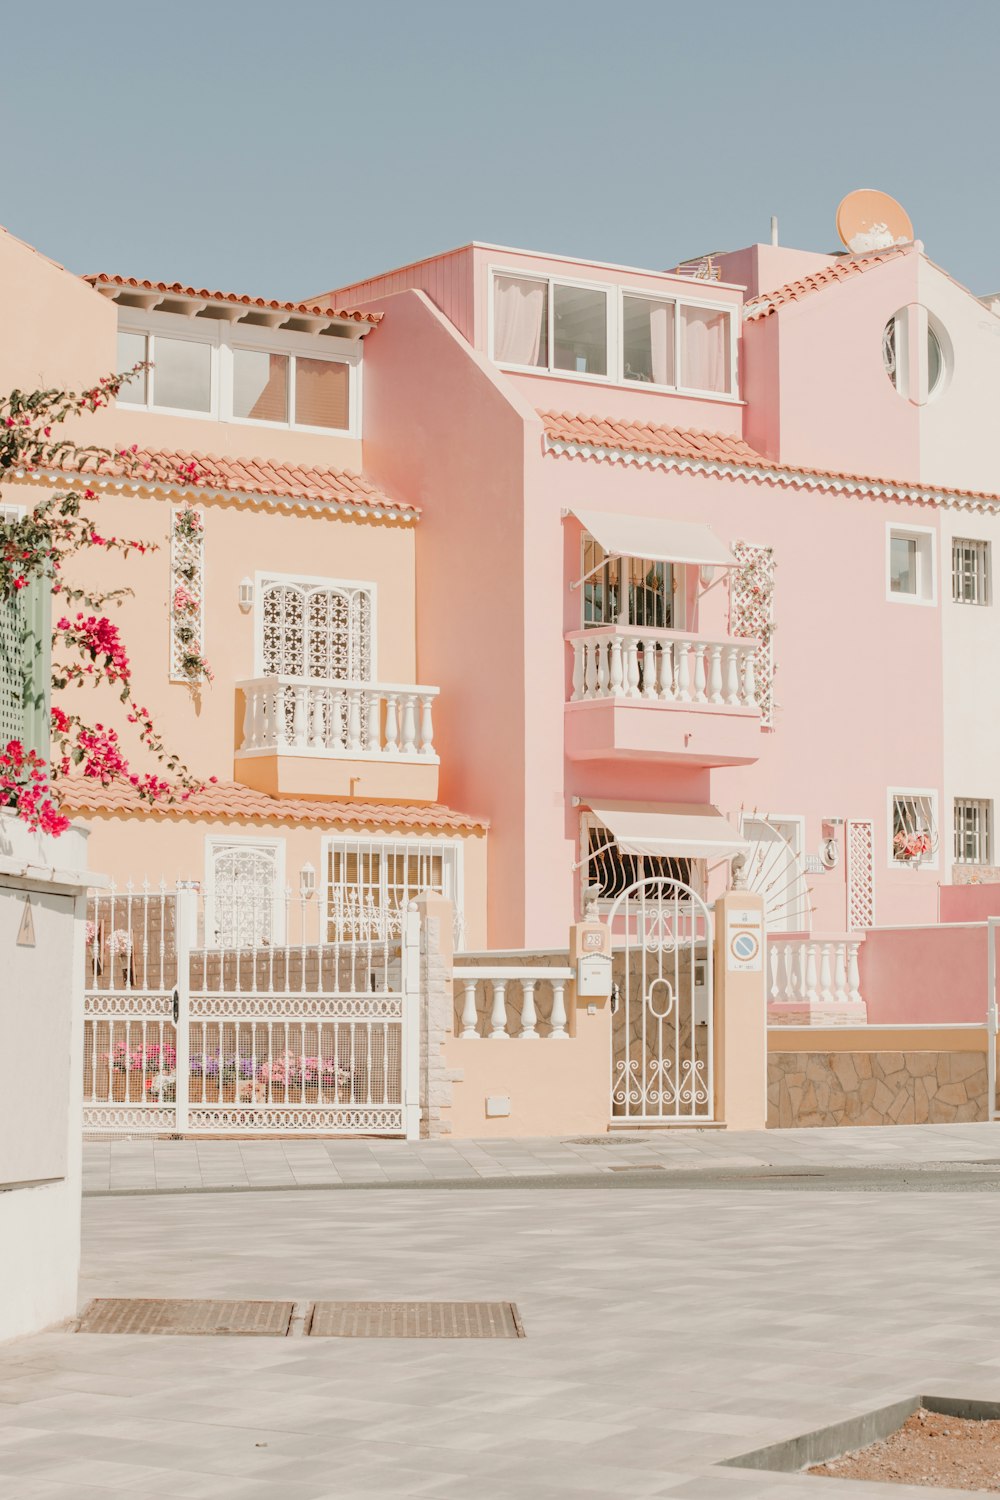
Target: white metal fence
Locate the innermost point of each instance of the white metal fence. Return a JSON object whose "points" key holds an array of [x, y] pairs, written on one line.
{"points": [[186, 1033]]}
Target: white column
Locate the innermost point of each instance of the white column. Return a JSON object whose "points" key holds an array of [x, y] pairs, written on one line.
{"points": [[684, 671], [529, 1016], [853, 973], [318, 698], [732, 666], [391, 724], [666, 679], [300, 717], [336, 719], [558, 1032], [617, 679], [714, 674], [840, 973], [699, 672], [579, 669], [498, 1014], [649, 668], [631, 649], [749, 681], [373, 728], [470, 1015], [354, 718], [249, 717], [825, 974], [409, 723], [602, 649], [426, 724], [812, 993]]}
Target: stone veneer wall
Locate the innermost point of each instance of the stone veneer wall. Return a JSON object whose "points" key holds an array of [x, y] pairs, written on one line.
{"points": [[875, 1088]]}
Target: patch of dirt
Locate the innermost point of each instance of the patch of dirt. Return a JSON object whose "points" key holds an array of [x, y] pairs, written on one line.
{"points": [[950, 1452]]}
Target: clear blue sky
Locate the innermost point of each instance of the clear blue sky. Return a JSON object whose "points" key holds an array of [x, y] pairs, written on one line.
{"points": [[283, 148]]}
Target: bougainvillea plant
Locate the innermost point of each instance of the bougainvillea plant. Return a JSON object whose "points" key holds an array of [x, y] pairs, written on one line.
{"points": [[87, 648]]}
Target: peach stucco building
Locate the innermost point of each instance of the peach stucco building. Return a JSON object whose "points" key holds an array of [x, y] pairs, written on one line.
{"points": [[519, 576]]}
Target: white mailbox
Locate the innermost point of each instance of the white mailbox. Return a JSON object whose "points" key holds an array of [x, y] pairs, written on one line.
{"points": [[593, 975]]}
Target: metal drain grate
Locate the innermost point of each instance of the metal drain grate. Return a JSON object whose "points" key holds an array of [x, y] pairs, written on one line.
{"points": [[416, 1320], [165, 1315]]}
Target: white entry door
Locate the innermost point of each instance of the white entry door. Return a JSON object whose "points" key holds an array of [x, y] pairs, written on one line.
{"points": [[776, 871]]}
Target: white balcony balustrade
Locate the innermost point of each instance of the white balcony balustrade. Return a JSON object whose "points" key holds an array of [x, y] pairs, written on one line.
{"points": [[662, 666], [304, 716], [499, 1003], [814, 980]]}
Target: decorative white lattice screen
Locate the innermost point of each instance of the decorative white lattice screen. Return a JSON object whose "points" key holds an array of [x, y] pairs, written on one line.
{"points": [[860, 874], [187, 595], [316, 630], [13, 715], [243, 906], [751, 616]]}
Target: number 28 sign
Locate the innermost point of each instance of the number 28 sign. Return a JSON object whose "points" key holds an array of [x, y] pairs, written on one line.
{"points": [[744, 941]]}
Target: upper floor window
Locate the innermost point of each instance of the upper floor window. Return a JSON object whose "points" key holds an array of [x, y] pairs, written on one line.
{"points": [[605, 333], [910, 564], [914, 828], [970, 571], [212, 375]]}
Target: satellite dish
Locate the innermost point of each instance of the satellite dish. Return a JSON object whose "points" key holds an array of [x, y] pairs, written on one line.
{"points": [[868, 220]]}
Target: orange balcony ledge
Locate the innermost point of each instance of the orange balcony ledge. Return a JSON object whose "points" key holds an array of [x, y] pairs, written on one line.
{"points": [[308, 737]]}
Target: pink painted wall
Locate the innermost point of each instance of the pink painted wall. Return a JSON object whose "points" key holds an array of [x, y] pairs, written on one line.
{"points": [[970, 903], [443, 430], [835, 407], [920, 976], [447, 279]]}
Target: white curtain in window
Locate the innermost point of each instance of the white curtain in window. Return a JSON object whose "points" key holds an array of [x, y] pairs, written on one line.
{"points": [[661, 339], [705, 349], [519, 314]]}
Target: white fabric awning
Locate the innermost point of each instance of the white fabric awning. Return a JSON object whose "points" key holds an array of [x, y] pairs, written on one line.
{"points": [[680, 830], [656, 539]]}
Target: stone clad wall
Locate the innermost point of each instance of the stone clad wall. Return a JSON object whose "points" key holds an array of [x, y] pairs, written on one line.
{"points": [[875, 1088]]}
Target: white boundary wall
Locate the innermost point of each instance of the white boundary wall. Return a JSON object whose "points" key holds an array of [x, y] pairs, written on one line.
{"points": [[41, 1012]]}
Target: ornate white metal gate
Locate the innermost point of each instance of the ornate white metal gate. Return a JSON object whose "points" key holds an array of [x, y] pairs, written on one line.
{"points": [[662, 1065], [224, 1031]]}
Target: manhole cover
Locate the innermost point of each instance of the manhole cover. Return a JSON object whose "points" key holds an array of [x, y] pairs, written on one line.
{"points": [[164, 1315], [416, 1320]]}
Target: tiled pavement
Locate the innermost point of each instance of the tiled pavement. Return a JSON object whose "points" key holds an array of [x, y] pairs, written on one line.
{"points": [[148, 1165], [665, 1331]]}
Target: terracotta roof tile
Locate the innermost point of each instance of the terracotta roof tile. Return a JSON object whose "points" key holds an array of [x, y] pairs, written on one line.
{"points": [[837, 271], [686, 444], [231, 800], [645, 437], [266, 478], [310, 309]]}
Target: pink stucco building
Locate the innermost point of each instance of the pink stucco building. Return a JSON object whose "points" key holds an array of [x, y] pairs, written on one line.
{"points": [[521, 575]]}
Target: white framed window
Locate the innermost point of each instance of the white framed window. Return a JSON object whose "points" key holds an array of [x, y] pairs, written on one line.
{"points": [[322, 629], [9, 514], [244, 892], [973, 822], [910, 565], [596, 331], [208, 368], [369, 882], [970, 571], [913, 828]]}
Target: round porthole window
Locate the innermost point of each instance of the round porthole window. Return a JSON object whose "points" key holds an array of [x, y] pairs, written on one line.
{"points": [[928, 379]]}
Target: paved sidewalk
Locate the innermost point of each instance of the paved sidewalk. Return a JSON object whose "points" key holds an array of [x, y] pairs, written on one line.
{"points": [[664, 1333], [139, 1166]]}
